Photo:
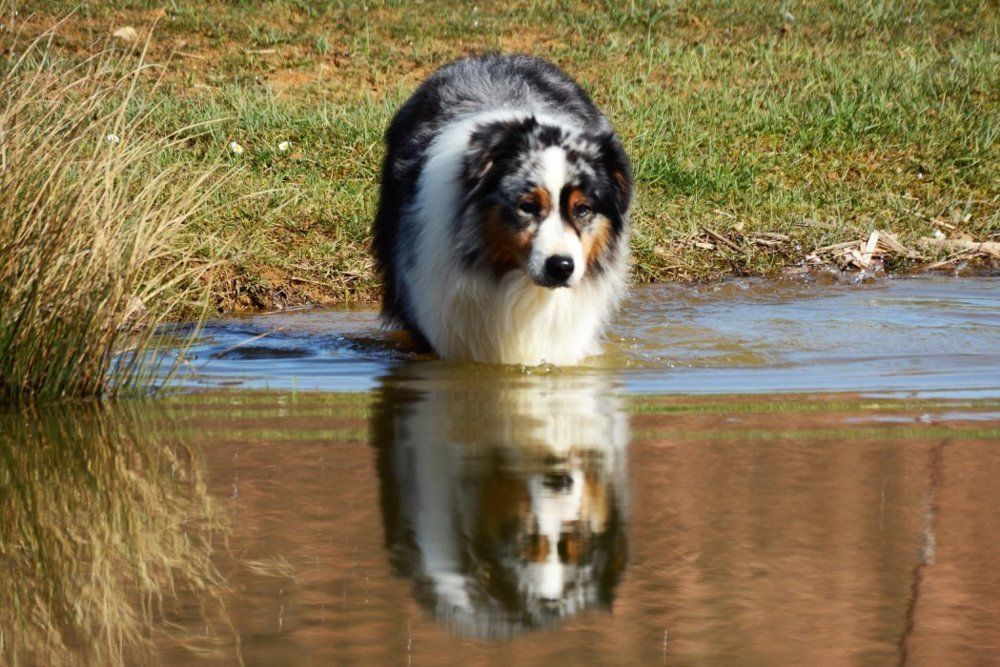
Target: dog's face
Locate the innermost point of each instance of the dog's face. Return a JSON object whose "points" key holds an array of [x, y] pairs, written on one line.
{"points": [[545, 200]]}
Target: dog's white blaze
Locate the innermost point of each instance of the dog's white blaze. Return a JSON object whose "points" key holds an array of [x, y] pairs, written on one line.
{"points": [[554, 236], [553, 510], [554, 170], [469, 315]]}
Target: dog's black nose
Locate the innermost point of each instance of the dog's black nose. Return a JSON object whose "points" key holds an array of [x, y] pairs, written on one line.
{"points": [[558, 268]]}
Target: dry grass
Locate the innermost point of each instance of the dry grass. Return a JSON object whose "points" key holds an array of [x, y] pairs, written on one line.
{"points": [[92, 247]]}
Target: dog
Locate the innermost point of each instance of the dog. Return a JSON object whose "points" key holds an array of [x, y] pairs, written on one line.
{"points": [[504, 501], [502, 228]]}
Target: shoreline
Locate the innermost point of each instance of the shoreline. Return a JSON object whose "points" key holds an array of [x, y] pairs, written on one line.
{"points": [[284, 296]]}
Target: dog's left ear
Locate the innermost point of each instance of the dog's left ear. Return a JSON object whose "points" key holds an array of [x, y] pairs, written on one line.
{"points": [[616, 165]]}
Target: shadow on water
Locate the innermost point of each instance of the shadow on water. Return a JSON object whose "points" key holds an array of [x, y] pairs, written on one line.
{"points": [[102, 524], [503, 494]]}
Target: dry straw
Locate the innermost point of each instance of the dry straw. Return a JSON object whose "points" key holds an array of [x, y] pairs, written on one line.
{"points": [[92, 227]]}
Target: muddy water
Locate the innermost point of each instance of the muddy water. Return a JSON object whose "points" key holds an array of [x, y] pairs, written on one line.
{"points": [[754, 473]]}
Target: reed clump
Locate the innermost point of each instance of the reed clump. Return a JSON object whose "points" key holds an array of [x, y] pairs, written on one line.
{"points": [[94, 252]]}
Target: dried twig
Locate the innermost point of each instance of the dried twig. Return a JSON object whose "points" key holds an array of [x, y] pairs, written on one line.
{"points": [[860, 254], [721, 239], [991, 248]]}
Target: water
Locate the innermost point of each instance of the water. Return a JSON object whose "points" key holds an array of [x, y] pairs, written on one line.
{"points": [[930, 334], [755, 472]]}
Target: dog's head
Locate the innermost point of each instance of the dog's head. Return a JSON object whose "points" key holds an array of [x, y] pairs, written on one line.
{"points": [[546, 200]]}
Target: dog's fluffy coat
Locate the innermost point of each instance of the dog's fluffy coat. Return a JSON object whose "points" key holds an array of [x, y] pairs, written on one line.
{"points": [[495, 167]]}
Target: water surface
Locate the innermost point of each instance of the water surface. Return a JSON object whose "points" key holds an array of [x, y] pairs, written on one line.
{"points": [[931, 333], [755, 473]]}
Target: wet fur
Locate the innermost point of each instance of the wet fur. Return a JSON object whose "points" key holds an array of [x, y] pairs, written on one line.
{"points": [[460, 265]]}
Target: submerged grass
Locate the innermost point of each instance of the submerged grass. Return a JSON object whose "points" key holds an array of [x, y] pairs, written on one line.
{"points": [[94, 247]]}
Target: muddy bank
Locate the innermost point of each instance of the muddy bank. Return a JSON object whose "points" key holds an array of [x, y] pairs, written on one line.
{"points": [[274, 289]]}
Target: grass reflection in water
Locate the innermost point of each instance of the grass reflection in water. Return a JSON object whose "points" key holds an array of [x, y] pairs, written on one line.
{"points": [[103, 526]]}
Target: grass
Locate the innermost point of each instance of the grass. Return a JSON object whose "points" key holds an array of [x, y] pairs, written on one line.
{"points": [[779, 127], [93, 247]]}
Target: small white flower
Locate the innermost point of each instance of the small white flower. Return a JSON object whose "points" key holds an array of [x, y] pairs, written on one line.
{"points": [[113, 139], [235, 148], [284, 146]]}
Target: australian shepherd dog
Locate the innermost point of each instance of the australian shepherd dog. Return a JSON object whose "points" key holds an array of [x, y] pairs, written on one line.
{"points": [[502, 229]]}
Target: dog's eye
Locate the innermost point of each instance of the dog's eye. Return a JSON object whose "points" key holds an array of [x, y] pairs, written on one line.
{"points": [[529, 207], [582, 211]]}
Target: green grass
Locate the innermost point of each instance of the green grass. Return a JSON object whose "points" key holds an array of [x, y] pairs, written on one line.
{"points": [[822, 124]]}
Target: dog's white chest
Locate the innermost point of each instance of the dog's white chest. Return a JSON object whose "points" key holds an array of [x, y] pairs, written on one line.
{"points": [[514, 321]]}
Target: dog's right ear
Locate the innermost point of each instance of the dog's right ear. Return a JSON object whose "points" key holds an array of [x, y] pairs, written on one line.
{"points": [[490, 143], [617, 167]]}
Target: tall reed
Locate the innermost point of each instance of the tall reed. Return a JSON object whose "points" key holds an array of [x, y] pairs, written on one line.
{"points": [[93, 219]]}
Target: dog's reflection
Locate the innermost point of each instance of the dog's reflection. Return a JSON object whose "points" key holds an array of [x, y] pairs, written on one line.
{"points": [[503, 495]]}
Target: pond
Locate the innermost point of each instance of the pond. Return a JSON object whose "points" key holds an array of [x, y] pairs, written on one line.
{"points": [[754, 472]]}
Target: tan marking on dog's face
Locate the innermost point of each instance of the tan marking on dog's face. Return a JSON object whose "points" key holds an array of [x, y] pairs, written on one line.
{"points": [[576, 199], [594, 229], [507, 248], [572, 546], [596, 502], [504, 506], [595, 239], [573, 543], [540, 197]]}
